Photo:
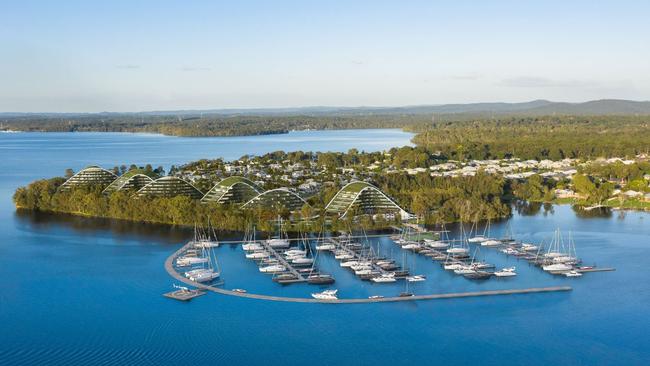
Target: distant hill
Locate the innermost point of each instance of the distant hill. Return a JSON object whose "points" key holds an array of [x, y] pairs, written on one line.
{"points": [[535, 107]]}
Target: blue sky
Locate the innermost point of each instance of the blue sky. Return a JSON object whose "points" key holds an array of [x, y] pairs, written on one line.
{"points": [[87, 56]]}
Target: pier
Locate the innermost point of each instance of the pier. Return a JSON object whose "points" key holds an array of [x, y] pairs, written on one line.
{"points": [[169, 267], [299, 276]]}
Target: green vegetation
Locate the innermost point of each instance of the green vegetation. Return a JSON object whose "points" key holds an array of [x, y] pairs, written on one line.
{"points": [[211, 125], [539, 137]]}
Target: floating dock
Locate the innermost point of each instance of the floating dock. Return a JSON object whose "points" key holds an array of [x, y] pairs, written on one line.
{"points": [[184, 294]]}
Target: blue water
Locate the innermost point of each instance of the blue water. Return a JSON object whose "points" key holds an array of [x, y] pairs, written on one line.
{"points": [[87, 291]]}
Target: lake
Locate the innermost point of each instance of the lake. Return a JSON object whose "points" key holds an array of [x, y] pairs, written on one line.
{"points": [[88, 291]]}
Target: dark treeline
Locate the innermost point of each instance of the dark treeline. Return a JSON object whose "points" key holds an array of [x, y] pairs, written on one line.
{"points": [[540, 137], [43, 196], [212, 125]]}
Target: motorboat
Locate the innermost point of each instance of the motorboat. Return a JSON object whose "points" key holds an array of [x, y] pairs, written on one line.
{"points": [[325, 295], [239, 290], [573, 274], [384, 278], [506, 272], [416, 278], [375, 297], [273, 268]]}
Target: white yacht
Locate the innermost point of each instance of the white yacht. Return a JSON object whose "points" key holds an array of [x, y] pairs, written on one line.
{"points": [[573, 274], [325, 295], [506, 272], [384, 278], [275, 268], [416, 278]]}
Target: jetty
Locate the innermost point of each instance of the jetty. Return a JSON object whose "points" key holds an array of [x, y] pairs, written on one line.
{"points": [[169, 267], [299, 277]]}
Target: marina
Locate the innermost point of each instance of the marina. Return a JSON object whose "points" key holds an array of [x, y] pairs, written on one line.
{"points": [[169, 267]]}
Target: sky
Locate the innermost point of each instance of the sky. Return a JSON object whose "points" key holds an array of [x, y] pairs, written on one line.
{"points": [[93, 56]]}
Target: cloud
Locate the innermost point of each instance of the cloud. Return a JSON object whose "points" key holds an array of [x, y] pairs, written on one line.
{"points": [[540, 82], [127, 67], [194, 68]]}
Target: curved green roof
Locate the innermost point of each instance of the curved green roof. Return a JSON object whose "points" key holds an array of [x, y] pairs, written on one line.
{"points": [[233, 189], [92, 175], [363, 197], [170, 186], [279, 197], [134, 179]]}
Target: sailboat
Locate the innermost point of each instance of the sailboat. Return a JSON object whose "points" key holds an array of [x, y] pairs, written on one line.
{"points": [[281, 241], [559, 258], [209, 272], [478, 238]]}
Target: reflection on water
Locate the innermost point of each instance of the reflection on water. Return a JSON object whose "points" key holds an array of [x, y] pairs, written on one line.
{"points": [[600, 212], [40, 221]]}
